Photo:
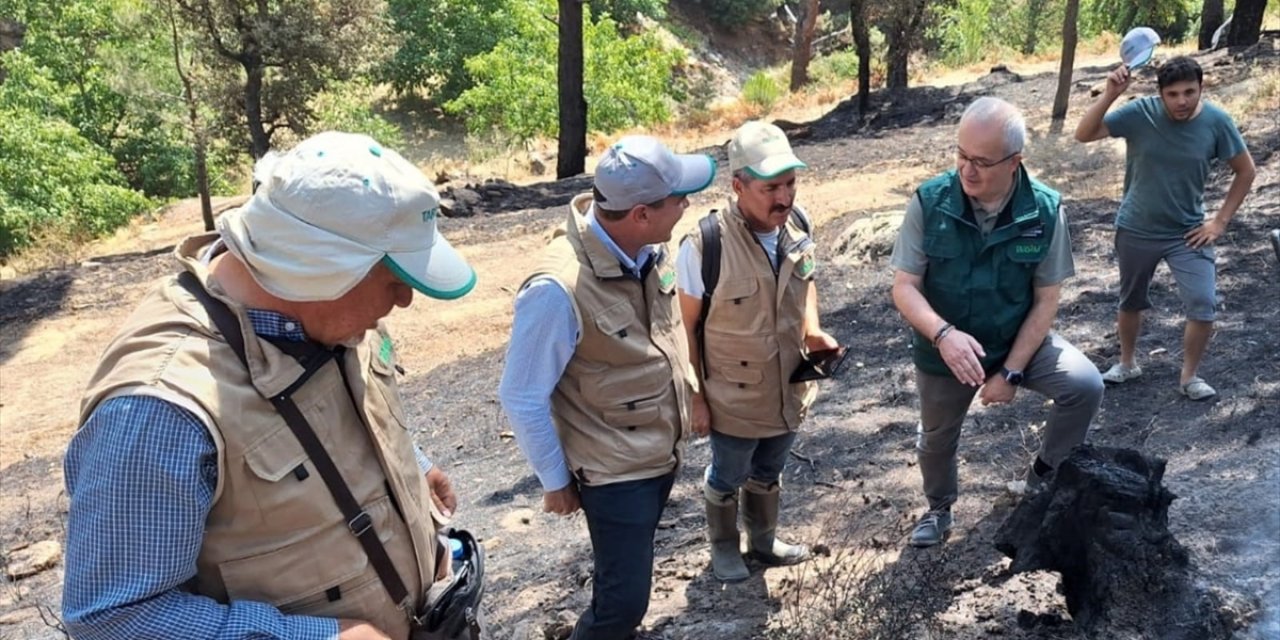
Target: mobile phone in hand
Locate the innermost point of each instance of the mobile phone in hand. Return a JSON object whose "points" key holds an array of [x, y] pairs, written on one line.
{"points": [[819, 365]]}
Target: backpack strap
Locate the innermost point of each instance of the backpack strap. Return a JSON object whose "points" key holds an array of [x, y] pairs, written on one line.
{"points": [[358, 520], [710, 228], [801, 219]]}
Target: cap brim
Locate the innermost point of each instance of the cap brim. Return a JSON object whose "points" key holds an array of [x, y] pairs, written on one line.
{"points": [[696, 173], [775, 166], [1141, 59], [439, 272]]}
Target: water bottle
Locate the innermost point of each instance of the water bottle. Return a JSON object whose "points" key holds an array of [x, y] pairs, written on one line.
{"points": [[457, 553]]}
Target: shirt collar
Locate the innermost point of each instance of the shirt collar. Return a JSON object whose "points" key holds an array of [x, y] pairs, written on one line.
{"points": [[633, 266]]}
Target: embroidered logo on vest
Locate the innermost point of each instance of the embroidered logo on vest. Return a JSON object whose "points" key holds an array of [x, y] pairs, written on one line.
{"points": [[806, 267], [384, 352]]}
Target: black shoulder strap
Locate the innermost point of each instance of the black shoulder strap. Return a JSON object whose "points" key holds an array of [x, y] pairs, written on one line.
{"points": [[710, 228], [358, 520]]}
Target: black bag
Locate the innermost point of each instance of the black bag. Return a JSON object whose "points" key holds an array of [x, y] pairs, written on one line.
{"points": [[455, 611]]}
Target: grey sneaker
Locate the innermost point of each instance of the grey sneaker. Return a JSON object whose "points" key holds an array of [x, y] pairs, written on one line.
{"points": [[1119, 373], [931, 529]]}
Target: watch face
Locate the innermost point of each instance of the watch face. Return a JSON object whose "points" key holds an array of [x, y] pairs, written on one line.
{"points": [[1014, 377]]}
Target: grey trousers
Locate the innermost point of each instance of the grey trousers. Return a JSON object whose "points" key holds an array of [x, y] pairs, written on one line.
{"points": [[1057, 370]]}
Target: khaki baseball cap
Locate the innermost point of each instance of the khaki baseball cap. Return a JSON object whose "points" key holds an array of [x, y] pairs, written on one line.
{"points": [[330, 209], [762, 150]]}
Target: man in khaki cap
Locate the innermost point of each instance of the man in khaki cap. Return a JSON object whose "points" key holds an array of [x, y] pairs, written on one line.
{"points": [[761, 320], [596, 384], [195, 509]]}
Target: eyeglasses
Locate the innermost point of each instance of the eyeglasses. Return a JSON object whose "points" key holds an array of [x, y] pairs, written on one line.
{"points": [[983, 163]]}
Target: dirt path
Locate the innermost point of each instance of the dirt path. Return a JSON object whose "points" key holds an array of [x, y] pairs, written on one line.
{"points": [[855, 488]]}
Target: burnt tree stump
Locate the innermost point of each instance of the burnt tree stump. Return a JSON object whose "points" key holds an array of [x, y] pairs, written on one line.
{"points": [[1102, 524]]}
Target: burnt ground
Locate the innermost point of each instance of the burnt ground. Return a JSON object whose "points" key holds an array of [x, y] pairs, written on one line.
{"points": [[851, 487]]}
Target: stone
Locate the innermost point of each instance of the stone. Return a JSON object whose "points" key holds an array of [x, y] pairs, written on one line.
{"points": [[869, 237], [28, 561]]}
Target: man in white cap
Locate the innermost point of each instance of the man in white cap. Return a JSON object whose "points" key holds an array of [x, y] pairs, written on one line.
{"points": [[1171, 142], [597, 382], [979, 263], [748, 332], [196, 508]]}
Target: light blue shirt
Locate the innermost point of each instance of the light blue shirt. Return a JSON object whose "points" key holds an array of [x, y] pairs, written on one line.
{"points": [[141, 474], [544, 335]]}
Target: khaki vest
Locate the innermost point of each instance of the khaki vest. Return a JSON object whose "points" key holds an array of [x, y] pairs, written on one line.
{"points": [[274, 534], [622, 405], [754, 331]]}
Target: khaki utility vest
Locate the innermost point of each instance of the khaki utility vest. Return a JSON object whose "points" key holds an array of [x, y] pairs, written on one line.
{"points": [[754, 331], [274, 533], [622, 405]]}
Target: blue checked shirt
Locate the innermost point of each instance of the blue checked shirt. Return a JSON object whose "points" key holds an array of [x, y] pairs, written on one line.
{"points": [[141, 474]]}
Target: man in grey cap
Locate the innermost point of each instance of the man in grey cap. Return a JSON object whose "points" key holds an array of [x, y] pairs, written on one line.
{"points": [[597, 380], [754, 326], [195, 505]]}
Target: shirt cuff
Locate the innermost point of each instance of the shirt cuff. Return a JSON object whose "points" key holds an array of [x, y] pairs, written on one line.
{"points": [[424, 463]]}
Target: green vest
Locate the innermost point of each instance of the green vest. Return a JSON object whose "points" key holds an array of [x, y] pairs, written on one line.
{"points": [[984, 286]]}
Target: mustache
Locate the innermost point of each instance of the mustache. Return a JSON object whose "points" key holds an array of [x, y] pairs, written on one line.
{"points": [[779, 208]]}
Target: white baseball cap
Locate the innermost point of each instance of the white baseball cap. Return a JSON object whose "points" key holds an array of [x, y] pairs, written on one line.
{"points": [[1137, 46], [330, 209], [763, 150], [640, 169]]}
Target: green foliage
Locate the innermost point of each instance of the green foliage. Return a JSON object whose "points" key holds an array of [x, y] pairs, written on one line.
{"points": [[761, 90], [734, 13], [965, 30], [436, 38], [835, 67], [348, 106], [52, 176], [627, 79], [624, 12], [1172, 19]]}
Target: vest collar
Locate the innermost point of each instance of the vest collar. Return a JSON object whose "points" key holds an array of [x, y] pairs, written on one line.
{"points": [[270, 370], [1019, 213]]}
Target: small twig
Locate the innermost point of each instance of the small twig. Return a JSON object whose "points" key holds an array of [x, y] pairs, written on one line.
{"points": [[824, 483]]}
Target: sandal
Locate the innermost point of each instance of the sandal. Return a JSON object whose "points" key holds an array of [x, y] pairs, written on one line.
{"points": [[1197, 389]]}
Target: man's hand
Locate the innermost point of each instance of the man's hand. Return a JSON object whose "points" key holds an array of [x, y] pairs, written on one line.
{"points": [[562, 501], [963, 356], [1205, 234], [359, 630], [820, 341], [701, 415], [997, 390], [442, 491], [1117, 82]]}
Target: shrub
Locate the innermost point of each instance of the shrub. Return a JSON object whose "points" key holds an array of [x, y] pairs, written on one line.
{"points": [[761, 90], [735, 13], [627, 79], [348, 106]]}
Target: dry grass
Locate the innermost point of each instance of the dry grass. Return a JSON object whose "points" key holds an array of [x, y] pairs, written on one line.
{"points": [[1263, 97]]}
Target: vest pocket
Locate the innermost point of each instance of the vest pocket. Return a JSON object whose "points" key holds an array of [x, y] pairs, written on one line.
{"points": [[636, 413], [297, 576]]}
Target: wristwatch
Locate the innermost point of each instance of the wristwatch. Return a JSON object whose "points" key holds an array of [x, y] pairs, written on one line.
{"points": [[1012, 377]]}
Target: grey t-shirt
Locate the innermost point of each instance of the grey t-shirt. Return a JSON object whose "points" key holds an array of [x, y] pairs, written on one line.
{"points": [[909, 255], [1166, 165]]}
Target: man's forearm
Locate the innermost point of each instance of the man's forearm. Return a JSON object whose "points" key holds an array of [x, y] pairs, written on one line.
{"points": [[1090, 124], [913, 306], [812, 321], [1032, 332], [1240, 185]]}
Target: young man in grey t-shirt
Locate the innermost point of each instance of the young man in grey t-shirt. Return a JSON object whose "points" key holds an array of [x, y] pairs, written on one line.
{"points": [[1171, 140]]}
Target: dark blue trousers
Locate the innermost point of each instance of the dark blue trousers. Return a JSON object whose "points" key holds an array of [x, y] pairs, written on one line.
{"points": [[622, 518]]}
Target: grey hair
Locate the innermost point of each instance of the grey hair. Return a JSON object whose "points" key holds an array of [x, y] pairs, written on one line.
{"points": [[744, 175], [995, 111]]}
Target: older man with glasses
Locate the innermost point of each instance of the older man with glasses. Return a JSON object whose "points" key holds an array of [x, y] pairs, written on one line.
{"points": [[979, 264]]}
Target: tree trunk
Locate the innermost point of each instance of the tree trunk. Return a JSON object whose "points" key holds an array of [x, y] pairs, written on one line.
{"points": [[572, 159], [1069, 36], [1211, 18], [858, 22], [803, 52], [1246, 22], [903, 31], [1035, 8], [197, 131], [259, 142]]}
